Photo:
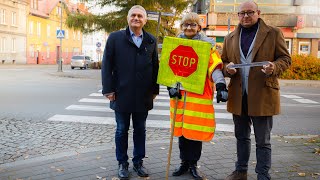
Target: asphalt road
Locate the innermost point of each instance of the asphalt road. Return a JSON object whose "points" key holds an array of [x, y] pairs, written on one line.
{"points": [[32, 92], [43, 112]]}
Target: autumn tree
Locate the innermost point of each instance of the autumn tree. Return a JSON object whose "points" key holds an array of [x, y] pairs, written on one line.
{"points": [[117, 18]]}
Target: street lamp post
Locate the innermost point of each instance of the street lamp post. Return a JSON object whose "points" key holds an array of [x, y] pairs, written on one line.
{"points": [[60, 57]]}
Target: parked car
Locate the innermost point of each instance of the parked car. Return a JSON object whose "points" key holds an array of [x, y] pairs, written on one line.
{"points": [[81, 61]]}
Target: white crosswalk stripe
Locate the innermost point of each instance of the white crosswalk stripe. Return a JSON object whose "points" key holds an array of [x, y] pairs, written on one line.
{"points": [[153, 111], [156, 103], [112, 121], [300, 99], [158, 117]]}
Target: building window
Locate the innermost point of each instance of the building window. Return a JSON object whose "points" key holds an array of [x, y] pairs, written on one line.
{"points": [[304, 48], [13, 18], [48, 52], [267, 2], [78, 35], [225, 8], [34, 4], [58, 10], [67, 34], [13, 45], [38, 28], [219, 39], [75, 51], [289, 43], [2, 16], [224, 1], [31, 50], [285, 2], [3, 44], [48, 30], [74, 35], [31, 27]]}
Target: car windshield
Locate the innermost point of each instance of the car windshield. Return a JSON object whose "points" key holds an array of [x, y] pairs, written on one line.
{"points": [[77, 57]]}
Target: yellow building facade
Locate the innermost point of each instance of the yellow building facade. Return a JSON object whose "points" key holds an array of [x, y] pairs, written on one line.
{"points": [[43, 22]]}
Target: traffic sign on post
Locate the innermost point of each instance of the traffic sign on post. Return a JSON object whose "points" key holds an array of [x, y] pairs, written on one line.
{"points": [[184, 61], [98, 50], [60, 33], [156, 16], [153, 17]]}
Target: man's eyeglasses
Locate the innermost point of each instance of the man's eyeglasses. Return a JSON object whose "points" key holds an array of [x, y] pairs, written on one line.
{"points": [[192, 25], [248, 13]]}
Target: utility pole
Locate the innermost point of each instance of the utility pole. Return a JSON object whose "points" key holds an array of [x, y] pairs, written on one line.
{"points": [[60, 54], [228, 24]]}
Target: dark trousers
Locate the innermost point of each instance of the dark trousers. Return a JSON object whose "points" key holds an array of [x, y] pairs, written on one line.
{"points": [[262, 126], [139, 136], [190, 150]]}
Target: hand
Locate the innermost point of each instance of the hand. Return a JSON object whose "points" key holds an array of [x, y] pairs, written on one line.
{"points": [[268, 69], [231, 71], [173, 92], [154, 96], [111, 96], [222, 92]]}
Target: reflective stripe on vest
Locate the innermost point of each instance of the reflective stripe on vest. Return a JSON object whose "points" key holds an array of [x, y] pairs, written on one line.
{"points": [[195, 117]]}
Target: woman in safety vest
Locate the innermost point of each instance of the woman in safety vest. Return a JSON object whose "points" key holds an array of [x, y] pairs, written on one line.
{"points": [[195, 120]]}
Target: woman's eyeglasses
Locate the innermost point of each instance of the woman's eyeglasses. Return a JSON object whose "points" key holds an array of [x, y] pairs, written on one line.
{"points": [[192, 25], [248, 13]]}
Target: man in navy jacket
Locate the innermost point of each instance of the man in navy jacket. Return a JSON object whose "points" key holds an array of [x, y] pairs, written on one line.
{"points": [[129, 75]]}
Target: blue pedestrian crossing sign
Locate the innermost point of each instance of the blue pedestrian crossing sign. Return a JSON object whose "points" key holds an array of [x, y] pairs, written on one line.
{"points": [[60, 33]]}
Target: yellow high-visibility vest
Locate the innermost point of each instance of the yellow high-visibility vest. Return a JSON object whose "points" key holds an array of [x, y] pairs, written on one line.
{"points": [[195, 117]]}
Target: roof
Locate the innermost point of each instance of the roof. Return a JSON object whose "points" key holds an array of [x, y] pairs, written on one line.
{"points": [[45, 7]]}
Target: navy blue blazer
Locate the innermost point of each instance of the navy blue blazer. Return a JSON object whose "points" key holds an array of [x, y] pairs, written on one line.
{"points": [[130, 72]]}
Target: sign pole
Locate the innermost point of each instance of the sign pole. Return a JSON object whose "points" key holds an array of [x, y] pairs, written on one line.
{"points": [[172, 131], [158, 26], [60, 57]]}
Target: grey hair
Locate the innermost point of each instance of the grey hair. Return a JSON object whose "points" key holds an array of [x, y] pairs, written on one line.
{"points": [[137, 7]]}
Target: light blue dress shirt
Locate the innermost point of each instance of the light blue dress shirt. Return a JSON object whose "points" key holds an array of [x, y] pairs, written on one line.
{"points": [[136, 39]]}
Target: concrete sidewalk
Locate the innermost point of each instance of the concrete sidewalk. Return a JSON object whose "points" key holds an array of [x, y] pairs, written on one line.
{"points": [[292, 158]]}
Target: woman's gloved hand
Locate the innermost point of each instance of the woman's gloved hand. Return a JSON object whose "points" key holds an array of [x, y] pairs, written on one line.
{"points": [[222, 92], [173, 92]]}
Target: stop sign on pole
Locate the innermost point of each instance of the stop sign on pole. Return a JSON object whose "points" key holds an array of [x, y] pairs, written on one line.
{"points": [[183, 61]]}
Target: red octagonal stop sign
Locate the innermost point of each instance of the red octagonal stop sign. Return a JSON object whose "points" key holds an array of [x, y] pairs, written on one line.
{"points": [[183, 61]]}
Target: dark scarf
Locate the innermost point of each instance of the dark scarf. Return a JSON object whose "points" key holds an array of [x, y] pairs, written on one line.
{"points": [[247, 37]]}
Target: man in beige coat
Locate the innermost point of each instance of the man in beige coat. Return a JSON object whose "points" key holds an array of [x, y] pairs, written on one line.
{"points": [[254, 95]]}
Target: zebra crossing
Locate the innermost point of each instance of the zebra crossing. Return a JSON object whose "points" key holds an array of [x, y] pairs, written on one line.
{"points": [[158, 117], [94, 109], [299, 99]]}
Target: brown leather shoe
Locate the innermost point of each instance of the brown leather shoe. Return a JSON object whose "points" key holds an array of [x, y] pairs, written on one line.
{"points": [[237, 175]]}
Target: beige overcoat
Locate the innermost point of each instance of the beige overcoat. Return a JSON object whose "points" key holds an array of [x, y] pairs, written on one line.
{"points": [[263, 90]]}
